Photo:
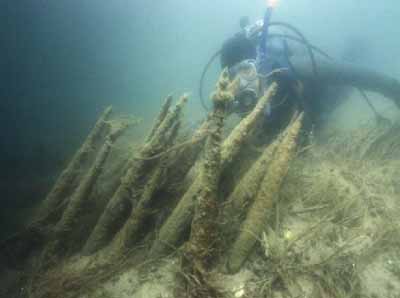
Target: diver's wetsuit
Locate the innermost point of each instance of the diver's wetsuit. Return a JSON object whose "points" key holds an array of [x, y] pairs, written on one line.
{"points": [[254, 43], [272, 53]]}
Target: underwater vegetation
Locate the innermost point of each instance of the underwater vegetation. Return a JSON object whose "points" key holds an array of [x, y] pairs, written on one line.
{"points": [[213, 213]]}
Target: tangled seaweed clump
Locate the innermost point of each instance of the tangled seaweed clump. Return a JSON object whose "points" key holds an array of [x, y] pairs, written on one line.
{"points": [[299, 218]]}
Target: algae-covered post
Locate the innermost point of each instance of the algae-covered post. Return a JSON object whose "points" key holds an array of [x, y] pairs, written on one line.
{"points": [[161, 116], [119, 206], [173, 229], [246, 190], [71, 215], [64, 183], [240, 133], [133, 227], [200, 250], [203, 235], [61, 239], [181, 161], [255, 221]]}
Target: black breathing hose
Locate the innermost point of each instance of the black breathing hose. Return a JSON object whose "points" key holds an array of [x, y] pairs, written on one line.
{"points": [[294, 38], [311, 47], [303, 40]]}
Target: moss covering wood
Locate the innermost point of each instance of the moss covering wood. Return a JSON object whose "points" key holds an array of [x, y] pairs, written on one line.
{"points": [[125, 198], [256, 219]]}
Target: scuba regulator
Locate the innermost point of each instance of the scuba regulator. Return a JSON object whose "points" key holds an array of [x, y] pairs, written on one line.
{"points": [[249, 85]]}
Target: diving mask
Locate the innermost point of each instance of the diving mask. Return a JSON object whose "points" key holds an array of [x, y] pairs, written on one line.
{"points": [[249, 86]]}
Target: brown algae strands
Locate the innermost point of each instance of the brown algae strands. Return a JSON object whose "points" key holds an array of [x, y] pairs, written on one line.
{"points": [[255, 221], [64, 183], [241, 132]]}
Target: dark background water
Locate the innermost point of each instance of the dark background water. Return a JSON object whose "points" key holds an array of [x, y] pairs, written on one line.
{"points": [[63, 61]]}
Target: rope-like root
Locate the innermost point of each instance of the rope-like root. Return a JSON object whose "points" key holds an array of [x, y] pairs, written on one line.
{"points": [[197, 284], [255, 221], [179, 221], [240, 133], [119, 206], [64, 183]]}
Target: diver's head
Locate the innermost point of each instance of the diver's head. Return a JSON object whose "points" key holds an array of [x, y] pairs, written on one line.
{"points": [[237, 49]]}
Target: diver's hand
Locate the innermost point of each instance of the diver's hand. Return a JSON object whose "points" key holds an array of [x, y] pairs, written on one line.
{"points": [[272, 3]]}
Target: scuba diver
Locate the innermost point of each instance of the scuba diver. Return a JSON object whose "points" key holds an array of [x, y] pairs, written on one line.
{"points": [[257, 56], [256, 60]]}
